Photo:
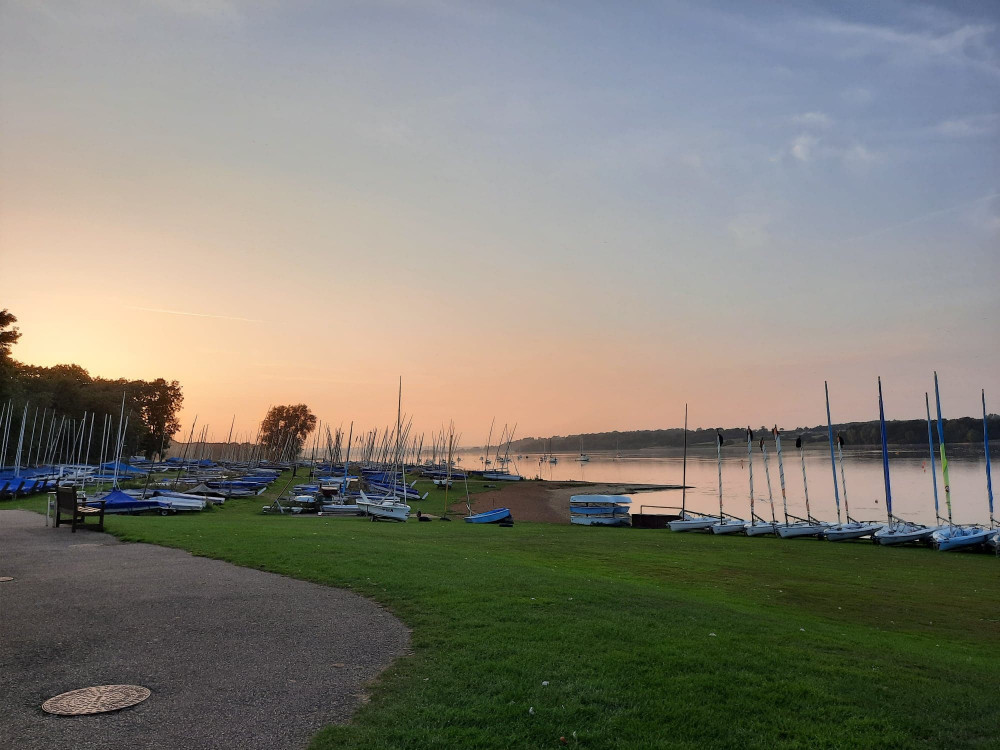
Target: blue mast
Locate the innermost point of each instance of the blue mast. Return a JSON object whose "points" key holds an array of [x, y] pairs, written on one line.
{"points": [[885, 452], [986, 447], [833, 460], [930, 442]]}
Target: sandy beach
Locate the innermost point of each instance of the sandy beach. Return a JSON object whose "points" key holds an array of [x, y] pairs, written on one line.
{"points": [[547, 502]]}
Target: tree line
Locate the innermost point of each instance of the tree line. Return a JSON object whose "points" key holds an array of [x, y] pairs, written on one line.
{"points": [[898, 432], [43, 395]]}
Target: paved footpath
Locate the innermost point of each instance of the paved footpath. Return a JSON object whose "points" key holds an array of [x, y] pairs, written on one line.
{"points": [[235, 658]]}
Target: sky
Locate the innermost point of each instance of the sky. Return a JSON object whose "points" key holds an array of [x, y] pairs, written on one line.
{"points": [[573, 216]]}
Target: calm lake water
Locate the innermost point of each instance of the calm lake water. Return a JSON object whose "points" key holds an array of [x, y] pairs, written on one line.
{"points": [[909, 472]]}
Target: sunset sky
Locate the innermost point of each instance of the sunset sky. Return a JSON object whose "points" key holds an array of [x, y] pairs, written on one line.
{"points": [[575, 216]]}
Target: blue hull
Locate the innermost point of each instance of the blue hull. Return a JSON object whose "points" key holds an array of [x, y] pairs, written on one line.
{"points": [[490, 516]]}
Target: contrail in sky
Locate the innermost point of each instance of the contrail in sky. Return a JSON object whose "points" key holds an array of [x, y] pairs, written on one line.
{"points": [[918, 219], [194, 314]]}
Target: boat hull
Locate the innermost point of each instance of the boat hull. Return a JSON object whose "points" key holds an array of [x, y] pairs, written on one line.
{"points": [[693, 524], [759, 528], [490, 516], [843, 532], [729, 526], [600, 520], [960, 537], [909, 534], [795, 530]]}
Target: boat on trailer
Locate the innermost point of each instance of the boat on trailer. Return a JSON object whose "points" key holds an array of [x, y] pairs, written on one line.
{"points": [[389, 507]]}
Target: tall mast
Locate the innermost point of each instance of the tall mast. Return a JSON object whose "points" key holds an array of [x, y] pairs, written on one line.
{"points": [[833, 460], [718, 451], [781, 471], [986, 448], [885, 453], [930, 443], [944, 457], [753, 514], [805, 484], [684, 470]]}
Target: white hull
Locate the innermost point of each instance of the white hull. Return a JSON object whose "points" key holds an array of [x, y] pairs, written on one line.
{"points": [[845, 531], [794, 530], [693, 524], [388, 509], [907, 534], [729, 526], [760, 528]]}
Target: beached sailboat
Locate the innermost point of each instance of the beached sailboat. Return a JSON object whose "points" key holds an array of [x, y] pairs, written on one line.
{"points": [[728, 524], [954, 537], [497, 515], [796, 527], [899, 531], [757, 525], [689, 520]]}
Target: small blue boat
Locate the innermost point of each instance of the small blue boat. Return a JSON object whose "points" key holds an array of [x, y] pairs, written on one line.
{"points": [[490, 516]]}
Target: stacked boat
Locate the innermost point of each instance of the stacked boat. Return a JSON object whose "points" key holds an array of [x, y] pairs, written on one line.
{"points": [[600, 510]]}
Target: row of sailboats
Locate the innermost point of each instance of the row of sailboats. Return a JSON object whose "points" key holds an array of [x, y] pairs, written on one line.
{"points": [[944, 534]]}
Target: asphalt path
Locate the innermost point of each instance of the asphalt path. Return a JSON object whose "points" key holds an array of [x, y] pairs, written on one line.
{"points": [[235, 658]]}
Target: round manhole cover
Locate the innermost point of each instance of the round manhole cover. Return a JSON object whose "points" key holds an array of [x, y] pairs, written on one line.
{"points": [[4, 579], [96, 700]]}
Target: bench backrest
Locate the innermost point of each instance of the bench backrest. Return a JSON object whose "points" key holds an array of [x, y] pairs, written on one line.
{"points": [[66, 498]]}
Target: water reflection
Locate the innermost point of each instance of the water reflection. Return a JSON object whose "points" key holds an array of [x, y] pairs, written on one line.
{"points": [[910, 475]]}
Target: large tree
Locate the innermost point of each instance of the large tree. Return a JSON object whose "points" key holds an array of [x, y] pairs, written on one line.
{"points": [[285, 429], [7, 337]]}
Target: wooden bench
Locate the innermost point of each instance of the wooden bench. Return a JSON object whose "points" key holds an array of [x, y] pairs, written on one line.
{"points": [[70, 510]]}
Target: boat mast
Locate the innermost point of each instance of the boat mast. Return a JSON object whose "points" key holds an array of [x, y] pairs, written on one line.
{"points": [[805, 484], [843, 477], [833, 461], [885, 455], [930, 443], [718, 451], [767, 473], [753, 514], [986, 448], [944, 457], [684, 469], [781, 471]]}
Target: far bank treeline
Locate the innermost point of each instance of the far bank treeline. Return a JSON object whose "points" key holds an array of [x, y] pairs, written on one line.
{"points": [[52, 393], [898, 432]]}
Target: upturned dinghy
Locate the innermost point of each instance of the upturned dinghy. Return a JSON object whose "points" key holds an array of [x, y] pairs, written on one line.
{"points": [[600, 510]]}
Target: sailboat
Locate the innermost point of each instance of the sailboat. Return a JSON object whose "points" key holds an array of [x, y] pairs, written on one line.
{"points": [[757, 525], [688, 520], [958, 537], [797, 527], [859, 529], [583, 457], [391, 507], [728, 524], [901, 532]]}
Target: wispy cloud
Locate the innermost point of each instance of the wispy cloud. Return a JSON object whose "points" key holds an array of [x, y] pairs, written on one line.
{"points": [[193, 314], [803, 146], [813, 119], [967, 44], [968, 127]]}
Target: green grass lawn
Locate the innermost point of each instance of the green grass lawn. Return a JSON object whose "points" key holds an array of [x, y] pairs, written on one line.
{"points": [[645, 638]]}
